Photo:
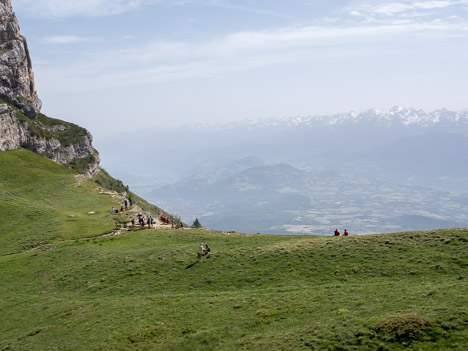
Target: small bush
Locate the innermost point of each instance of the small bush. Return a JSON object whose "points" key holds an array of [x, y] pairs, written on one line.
{"points": [[196, 223], [402, 327]]}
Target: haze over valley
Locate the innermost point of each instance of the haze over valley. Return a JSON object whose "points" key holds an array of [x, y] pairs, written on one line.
{"points": [[375, 171]]}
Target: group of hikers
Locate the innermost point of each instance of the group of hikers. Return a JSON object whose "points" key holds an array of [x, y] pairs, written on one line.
{"points": [[125, 206], [149, 220], [203, 251], [337, 232], [141, 221]]}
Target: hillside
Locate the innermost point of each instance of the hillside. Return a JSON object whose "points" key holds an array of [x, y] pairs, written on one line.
{"points": [[44, 202], [66, 287]]}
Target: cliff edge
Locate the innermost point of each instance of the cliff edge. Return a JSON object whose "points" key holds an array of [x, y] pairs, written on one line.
{"points": [[21, 121]]}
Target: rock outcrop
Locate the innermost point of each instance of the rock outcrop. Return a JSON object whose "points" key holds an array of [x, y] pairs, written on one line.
{"points": [[16, 74], [57, 140], [21, 123]]}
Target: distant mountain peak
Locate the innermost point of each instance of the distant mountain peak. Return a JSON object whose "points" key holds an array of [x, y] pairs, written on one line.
{"points": [[397, 115]]}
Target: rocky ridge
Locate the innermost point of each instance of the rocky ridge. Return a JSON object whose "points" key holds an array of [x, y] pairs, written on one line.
{"points": [[21, 122]]}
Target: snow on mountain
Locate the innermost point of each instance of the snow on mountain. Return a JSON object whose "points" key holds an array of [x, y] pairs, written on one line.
{"points": [[395, 116]]}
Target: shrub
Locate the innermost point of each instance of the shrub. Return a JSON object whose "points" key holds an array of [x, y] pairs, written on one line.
{"points": [[196, 223], [402, 327]]}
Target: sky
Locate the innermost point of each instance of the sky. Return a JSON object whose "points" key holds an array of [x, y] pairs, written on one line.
{"points": [[129, 65]]}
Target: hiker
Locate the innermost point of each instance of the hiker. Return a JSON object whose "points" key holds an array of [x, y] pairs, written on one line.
{"points": [[200, 252], [131, 202], [346, 233], [113, 210], [167, 220], [148, 221], [206, 250], [152, 221], [337, 232], [121, 209], [126, 203]]}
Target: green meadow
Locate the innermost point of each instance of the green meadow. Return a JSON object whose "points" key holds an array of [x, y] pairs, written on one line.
{"points": [[66, 287]]}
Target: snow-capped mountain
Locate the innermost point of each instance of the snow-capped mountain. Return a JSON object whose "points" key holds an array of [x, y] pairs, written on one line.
{"points": [[377, 171], [396, 116]]}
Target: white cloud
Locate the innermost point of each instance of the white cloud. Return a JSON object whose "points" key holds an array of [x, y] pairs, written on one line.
{"points": [[396, 8], [69, 39], [70, 8], [174, 61]]}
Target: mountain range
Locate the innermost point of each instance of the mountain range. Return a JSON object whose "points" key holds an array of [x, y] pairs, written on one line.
{"points": [[405, 158]]}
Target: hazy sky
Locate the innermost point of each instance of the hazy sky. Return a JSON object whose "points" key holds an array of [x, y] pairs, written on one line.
{"points": [[112, 65]]}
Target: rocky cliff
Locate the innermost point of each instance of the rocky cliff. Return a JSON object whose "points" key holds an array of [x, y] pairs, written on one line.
{"points": [[17, 77], [21, 123]]}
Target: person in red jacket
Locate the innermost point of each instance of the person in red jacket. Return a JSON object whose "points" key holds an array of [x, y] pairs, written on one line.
{"points": [[346, 233], [337, 232]]}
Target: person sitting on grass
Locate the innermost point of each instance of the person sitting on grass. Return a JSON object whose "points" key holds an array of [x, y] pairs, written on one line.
{"points": [[337, 232], [200, 252], [346, 233], [206, 250]]}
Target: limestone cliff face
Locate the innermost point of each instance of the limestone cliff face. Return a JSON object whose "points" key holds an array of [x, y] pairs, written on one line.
{"points": [[52, 140], [16, 74], [21, 123]]}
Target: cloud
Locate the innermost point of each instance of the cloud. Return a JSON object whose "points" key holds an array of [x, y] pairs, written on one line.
{"points": [[63, 8], [69, 39], [166, 61], [396, 8]]}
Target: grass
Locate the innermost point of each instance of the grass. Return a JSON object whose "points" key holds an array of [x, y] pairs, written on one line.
{"points": [[81, 165], [145, 290], [69, 136], [43, 202], [106, 181]]}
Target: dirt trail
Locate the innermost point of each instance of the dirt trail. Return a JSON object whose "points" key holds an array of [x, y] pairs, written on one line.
{"points": [[133, 212]]}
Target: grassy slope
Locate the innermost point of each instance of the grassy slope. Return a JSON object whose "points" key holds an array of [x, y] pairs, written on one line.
{"points": [[37, 198], [145, 291]]}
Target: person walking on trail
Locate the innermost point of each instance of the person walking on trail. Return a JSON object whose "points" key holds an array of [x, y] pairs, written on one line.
{"points": [[126, 204], [130, 201], [200, 252], [346, 233], [337, 232], [152, 221]]}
